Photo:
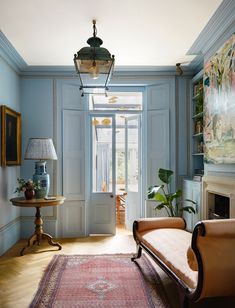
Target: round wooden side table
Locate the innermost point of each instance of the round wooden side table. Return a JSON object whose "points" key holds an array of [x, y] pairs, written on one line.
{"points": [[39, 234]]}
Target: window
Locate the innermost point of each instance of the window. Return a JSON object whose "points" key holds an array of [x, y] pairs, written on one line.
{"points": [[116, 101]]}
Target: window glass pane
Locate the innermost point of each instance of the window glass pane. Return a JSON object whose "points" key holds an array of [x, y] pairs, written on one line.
{"points": [[102, 154], [116, 101], [132, 155], [120, 152]]}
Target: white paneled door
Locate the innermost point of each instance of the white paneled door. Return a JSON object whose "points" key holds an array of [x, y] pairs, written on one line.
{"points": [[102, 205]]}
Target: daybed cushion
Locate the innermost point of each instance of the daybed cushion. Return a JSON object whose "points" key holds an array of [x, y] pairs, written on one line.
{"points": [[171, 246]]}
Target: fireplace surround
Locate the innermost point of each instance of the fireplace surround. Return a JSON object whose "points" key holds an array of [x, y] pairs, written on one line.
{"points": [[213, 186]]}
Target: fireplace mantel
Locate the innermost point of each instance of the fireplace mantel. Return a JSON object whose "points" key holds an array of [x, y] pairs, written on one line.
{"points": [[224, 186]]}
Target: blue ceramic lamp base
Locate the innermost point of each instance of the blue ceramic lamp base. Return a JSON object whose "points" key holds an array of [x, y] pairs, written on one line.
{"points": [[42, 176]]}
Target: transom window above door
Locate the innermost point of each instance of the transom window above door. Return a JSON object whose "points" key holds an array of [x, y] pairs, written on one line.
{"points": [[116, 101]]}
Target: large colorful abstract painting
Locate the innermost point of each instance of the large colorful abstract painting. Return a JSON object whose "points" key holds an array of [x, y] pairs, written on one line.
{"points": [[219, 111]]}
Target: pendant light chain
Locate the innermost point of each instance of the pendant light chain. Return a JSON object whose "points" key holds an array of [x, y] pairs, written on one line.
{"points": [[94, 28], [94, 35]]}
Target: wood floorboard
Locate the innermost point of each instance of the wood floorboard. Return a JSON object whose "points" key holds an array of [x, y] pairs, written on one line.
{"points": [[20, 275]]}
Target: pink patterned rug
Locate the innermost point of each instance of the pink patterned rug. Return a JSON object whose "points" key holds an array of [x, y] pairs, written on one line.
{"points": [[100, 281]]}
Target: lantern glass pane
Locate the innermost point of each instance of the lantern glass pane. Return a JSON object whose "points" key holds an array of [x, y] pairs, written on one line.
{"points": [[85, 66]]}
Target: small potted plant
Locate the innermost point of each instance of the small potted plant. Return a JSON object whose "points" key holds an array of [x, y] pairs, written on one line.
{"points": [[28, 187], [171, 202]]}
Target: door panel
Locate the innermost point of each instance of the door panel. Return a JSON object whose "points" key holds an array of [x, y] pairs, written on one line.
{"points": [[159, 95], [102, 198], [73, 155], [158, 150], [72, 218]]}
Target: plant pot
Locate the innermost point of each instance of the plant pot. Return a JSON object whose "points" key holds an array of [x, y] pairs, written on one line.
{"points": [[29, 194]]}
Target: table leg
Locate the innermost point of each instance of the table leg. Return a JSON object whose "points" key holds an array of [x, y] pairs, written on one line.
{"points": [[38, 225], [39, 233], [50, 241], [31, 241]]}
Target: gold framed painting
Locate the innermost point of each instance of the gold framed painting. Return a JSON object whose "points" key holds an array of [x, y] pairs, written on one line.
{"points": [[10, 137]]}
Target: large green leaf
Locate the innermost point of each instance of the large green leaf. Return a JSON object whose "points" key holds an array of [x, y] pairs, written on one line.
{"points": [[160, 198], [160, 206], [165, 175], [189, 209], [175, 195], [152, 191], [189, 200]]}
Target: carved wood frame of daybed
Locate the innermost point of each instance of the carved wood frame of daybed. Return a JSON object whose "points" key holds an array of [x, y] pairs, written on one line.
{"points": [[201, 230]]}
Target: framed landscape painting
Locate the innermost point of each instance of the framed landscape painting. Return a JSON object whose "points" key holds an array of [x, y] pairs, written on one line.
{"points": [[10, 137], [219, 112]]}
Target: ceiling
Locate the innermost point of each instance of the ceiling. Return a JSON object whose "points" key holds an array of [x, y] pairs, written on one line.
{"points": [[137, 32]]}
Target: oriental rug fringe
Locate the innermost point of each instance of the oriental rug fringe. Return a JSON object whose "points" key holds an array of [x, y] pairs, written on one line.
{"points": [[87, 281]]}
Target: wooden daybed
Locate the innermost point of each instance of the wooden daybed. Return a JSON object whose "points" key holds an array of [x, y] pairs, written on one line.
{"points": [[201, 263]]}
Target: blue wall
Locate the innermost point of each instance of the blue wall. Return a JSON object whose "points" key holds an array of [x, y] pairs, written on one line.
{"points": [[9, 215], [37, 114], [36, 96]]}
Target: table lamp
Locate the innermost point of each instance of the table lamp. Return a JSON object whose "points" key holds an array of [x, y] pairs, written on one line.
{"points": [[41, 149]]}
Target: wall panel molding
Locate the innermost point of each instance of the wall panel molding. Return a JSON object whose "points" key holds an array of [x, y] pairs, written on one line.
{"points": [[9, 224], [9, 234]]}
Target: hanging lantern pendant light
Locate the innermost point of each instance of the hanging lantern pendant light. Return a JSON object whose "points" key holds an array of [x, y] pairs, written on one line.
{"points": [[94, 65]]}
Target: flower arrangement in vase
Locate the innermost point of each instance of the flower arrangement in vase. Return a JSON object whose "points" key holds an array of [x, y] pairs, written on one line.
{"points": [[28, 187]]}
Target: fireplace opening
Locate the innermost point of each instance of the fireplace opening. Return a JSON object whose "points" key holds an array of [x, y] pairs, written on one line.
{"points": [[218, 207]]}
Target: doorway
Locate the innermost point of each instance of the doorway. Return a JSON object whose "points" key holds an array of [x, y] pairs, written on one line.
{"points": [[115, 194]]}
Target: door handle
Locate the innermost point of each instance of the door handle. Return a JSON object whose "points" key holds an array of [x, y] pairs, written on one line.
{"points": [[111, 196]]}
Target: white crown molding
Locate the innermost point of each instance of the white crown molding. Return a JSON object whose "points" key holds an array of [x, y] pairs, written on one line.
{"points": [[222, 20], [69, 71], [10, 55], [148, 69]]}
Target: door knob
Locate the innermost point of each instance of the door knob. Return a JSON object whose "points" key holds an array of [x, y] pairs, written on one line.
{"points": [[111, 196]]}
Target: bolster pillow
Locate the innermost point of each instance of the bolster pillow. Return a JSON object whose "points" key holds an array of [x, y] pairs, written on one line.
{"points": [[192, 261]]}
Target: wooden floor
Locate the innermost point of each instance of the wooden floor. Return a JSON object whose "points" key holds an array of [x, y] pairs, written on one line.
{"points": [[20, 275]]}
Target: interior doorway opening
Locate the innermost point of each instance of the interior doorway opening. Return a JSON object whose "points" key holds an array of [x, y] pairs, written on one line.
{"points": [[116, 159]]}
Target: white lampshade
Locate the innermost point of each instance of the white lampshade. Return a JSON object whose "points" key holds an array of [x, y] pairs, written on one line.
{"points": [[40, 148]]}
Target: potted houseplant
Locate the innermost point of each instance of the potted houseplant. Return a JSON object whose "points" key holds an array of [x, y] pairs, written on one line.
{"points": [[28, 187], [171, 202]]}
